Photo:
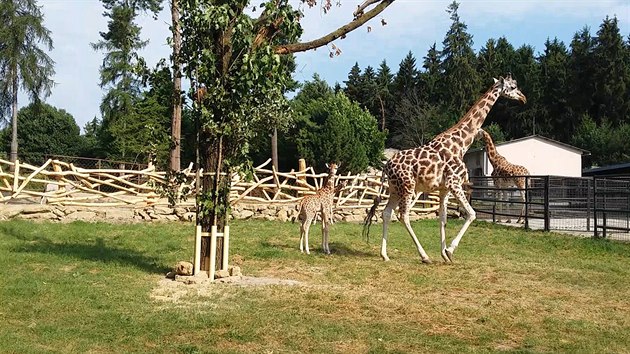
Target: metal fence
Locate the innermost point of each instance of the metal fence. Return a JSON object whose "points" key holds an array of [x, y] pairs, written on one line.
{"points": [[599, 207]]}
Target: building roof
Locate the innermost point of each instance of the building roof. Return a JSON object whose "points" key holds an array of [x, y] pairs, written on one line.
{"points": [[547, 140], [607, 170]]}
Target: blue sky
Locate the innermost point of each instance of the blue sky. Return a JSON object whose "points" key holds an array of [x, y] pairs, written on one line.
{"points": [[412, 25]]}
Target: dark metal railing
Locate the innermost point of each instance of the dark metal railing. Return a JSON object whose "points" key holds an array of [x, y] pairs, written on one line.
{"points": [[593, 205]]}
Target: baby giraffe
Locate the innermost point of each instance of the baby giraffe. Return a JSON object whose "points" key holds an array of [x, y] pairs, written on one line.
{"points": [[321, 201]]}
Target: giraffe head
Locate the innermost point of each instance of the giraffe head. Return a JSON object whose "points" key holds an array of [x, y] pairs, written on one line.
{"points": [[509, 89], [332, 168]]}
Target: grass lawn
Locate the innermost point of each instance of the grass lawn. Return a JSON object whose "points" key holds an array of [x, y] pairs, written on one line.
{"points": [[100, 288]]}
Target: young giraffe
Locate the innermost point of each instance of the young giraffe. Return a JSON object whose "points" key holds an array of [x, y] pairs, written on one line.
{"points": [[438, 166], [321, 201], [504, 172]]}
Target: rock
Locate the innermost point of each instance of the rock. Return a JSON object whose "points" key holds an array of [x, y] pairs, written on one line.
{"points": [[39, 216], [34, 209], [353, 218], [192, 279], [189, 216], [163, 211], [223, 273], [283, 215], [228, 279], [235, 271], [183, 268], [82, 215], [119, 214], [246, 214]]}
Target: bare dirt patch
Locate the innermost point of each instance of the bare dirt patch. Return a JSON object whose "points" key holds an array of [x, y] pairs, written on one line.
{"points": [[173, 291]]}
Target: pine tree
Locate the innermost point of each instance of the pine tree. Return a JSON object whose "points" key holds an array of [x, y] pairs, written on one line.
{"points": [[555, 120], [612, 74], [405, 86], [353, 84], [497, 59], [119, 70], [384, 81], [461, 83], [430, 78], [406, 79], [581, 74], [527, 69], [369, 92]]}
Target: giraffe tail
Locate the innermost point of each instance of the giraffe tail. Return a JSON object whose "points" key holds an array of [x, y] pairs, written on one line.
{"points": [[367, 222], [297, 213]]}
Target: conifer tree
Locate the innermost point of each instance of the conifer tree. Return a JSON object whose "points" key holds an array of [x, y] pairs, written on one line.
{"points": [[461, 84], [555, 119], [353, 84], [384, 81], [612, 74], [121, 71]]}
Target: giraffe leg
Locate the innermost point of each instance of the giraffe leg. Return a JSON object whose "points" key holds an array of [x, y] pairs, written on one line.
{"points": [[325, 233], [404, 208], [443, 220], [306, 225], [470, 217], [521, 218], [387, 216]]}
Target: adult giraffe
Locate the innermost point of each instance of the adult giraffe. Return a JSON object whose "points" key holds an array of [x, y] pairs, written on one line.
{"points": [[506, 174], [438, 166]]}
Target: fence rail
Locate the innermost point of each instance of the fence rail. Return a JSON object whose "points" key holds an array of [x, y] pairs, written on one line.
{"points": [[61, 183]]}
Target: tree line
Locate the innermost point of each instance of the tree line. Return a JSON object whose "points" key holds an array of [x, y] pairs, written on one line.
{"points": [[577, 94]]}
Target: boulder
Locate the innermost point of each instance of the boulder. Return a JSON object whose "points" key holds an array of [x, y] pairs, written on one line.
{"points": [[183, 268]]}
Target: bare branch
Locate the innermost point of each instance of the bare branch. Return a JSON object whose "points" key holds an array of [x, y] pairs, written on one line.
{"points": [[340, 32], [359, 11]]}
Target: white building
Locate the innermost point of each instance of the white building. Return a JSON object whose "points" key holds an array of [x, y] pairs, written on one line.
{"points": [[541, 156]]}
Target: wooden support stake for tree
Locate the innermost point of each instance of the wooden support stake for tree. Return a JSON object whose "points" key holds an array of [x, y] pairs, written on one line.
{"points": [[213, 252], [197, 263]]}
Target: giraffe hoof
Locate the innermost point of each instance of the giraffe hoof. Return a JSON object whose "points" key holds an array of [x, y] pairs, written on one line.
{"points": [[447, 256], [426, 261], [385, 258]]}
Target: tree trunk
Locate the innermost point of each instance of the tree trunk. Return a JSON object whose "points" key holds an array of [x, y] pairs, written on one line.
{"points": [[211, 157], [14, 117], [380, 100], [176, 122]]}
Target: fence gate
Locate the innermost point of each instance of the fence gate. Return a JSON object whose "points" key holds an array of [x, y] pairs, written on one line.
{"points": [[612, 205]]}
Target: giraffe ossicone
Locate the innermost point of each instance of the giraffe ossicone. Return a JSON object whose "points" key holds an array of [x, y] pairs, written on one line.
{"points": [[438, 166]]}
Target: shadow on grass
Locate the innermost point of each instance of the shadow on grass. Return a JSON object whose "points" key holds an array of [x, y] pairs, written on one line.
{"points": [[336, 248], [96, 251]]}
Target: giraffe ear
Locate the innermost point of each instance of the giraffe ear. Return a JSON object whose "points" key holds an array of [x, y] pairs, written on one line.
{"points": [[327, 165], [495, 80]]}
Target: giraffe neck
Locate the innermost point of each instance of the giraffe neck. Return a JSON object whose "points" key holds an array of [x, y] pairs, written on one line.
{"points": [[330, 181], [493, 155], [468, 126]]}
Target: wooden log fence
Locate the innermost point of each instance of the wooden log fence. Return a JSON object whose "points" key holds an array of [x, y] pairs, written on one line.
{"points": [[60, 183]]}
